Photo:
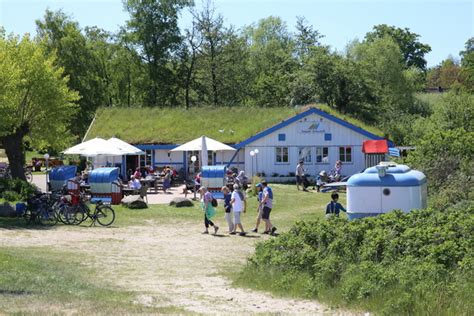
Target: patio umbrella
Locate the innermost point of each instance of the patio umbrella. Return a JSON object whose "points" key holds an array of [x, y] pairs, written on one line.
{"points": [[94, 147], [125, 147], [197, 145], [204, 161]]}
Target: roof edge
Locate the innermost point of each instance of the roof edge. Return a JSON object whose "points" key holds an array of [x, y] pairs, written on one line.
{"points": [[303, 114]]}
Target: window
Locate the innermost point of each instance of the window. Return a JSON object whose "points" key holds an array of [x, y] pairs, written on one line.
{"points": [[322, 154], [211, 158], [328, 137], [305, 154], [145, 160], [345, 154], [281, 137], [281, 154]]}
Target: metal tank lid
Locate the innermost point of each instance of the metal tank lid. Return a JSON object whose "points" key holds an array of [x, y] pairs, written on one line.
{"points": [[387, 175]]}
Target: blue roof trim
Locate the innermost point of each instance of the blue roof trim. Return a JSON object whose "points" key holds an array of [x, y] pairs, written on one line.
{"points": [[302, 115], [166, 146]]}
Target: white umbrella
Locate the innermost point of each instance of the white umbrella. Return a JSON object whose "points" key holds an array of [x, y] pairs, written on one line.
{"points": [[125, 147], [197, 144], [94, 147], [204, 161]]}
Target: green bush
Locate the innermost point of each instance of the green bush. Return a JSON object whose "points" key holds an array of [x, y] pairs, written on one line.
{"points": [[11, 196], [396, 263], [22, 189]]}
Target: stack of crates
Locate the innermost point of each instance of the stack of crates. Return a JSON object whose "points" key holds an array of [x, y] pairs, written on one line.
{"points": [[104, 187], [213, 177], [59, 176]]}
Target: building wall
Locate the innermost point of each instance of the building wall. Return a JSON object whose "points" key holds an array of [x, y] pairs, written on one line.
{"points": [[311, 131]]}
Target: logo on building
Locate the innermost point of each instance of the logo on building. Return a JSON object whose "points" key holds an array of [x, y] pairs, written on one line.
{"points": [[309, 127]]}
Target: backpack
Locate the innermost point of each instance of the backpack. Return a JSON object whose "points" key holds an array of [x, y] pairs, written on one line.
{"points": [[214, 202]]}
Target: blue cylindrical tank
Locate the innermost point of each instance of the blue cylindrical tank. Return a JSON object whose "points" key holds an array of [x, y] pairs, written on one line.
{"points": [[384, 188]]}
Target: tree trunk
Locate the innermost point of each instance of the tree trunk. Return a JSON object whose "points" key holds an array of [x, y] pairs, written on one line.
{"points": [[13, 144]]}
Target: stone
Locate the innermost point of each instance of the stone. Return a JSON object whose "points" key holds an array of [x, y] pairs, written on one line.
{"points": [[181, 202], [134, 202]]}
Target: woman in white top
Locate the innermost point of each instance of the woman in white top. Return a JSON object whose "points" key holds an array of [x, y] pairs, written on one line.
{"points": [[239, 205]]}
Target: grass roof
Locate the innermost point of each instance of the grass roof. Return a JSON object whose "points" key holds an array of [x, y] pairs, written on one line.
{"points": [[177, 125]]}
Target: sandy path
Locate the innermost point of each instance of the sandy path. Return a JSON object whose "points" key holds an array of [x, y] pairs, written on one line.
{"points": [[166, 265]]}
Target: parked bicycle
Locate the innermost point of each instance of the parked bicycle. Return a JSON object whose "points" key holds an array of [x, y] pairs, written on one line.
{"points": [[39, 211], [78, 211]]}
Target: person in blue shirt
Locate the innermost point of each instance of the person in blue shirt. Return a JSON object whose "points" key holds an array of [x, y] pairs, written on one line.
{"points": [[228, 208], [333, 208]]}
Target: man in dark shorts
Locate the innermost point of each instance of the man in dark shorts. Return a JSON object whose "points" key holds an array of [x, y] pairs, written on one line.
{"points": [[267, 203]]}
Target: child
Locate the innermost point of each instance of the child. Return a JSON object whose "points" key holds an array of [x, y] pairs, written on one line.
{"points": [[333, 207], [259, 207], [228, 208]]}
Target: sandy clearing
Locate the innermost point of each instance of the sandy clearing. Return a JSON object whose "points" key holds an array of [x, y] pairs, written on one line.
{"points": [[167, 265]]}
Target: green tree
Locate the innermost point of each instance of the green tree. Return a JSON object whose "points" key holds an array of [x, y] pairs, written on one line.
{"points": [[153, 28], [271, 62], [35, 101], [86, 71], [467, 65], [412, 50]]}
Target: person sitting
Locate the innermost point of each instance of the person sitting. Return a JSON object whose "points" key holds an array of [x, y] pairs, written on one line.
{"points": [[134, 183], [137, 174]]}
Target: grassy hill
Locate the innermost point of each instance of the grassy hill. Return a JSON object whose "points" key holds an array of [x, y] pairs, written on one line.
{"points": [[177, 125]]}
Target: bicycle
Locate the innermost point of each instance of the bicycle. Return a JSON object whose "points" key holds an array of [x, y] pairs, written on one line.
{"points": [[40, 211], [6, 173], [103, 214]]}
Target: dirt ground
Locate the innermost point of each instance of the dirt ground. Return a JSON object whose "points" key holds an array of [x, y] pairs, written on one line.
{"points": [[167, 265]]}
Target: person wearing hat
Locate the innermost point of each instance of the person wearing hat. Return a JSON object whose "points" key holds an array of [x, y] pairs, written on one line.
{"points": [[259, 206], [267, 203], [321, 179]]}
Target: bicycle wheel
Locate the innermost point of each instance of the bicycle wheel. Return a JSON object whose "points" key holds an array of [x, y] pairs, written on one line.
{"points": [[80, 213], [47, 217], [105, 215]]}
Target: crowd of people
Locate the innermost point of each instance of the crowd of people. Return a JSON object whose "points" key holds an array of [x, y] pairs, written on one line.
{"points": [[235, 203]]}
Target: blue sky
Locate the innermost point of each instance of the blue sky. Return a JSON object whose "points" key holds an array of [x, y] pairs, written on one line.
{"points": [[444, 25]]}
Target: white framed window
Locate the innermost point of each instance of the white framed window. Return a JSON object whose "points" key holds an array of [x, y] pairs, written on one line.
{"points": [[345, 154], [322, 154], [281, 155], [145, 160], [305, 154]]}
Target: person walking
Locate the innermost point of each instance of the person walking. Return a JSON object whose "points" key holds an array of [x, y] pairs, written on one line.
{"points": [[267, 203], [209, 210], [228, 208], [259, 207], [238, 206], [333, 208]]}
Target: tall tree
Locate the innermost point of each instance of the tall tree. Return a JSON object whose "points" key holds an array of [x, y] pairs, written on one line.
{"points": [[467, 65], [271, 61], [35, 100], [412, 50], [153, 27], [64, 37]]}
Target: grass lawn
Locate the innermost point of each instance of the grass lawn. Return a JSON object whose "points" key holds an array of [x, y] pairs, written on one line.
{"points": [[39, 280]]}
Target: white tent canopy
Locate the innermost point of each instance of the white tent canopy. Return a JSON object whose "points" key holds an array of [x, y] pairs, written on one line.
{"points": [[94, 147], [209, 144], [125, 147]]}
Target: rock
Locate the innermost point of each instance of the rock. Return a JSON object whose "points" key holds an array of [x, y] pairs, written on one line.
{"points": [[134, 202], [181, 202], [7, 210]]}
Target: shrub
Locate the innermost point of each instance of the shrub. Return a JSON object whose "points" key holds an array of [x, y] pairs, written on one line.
{"points": [[22, 189], [420, 262], [11, 196]]}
